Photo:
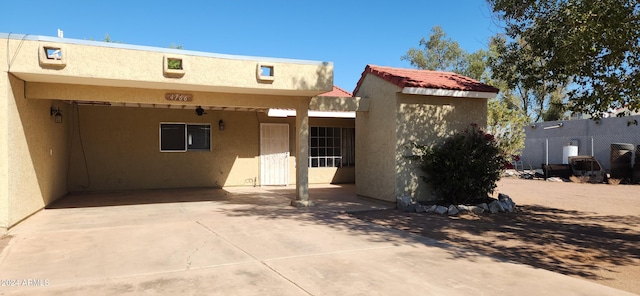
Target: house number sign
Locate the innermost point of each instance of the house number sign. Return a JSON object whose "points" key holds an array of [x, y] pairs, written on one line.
{"points": [[178, 97]]}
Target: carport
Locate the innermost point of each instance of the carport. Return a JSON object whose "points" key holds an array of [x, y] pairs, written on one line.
{"points": [[85, 116]]}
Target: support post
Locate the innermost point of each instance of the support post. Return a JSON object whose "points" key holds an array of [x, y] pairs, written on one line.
{"points": [[302, 154]]}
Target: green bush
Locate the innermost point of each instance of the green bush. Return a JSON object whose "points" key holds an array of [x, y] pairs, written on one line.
{"points": [[463, 168]]}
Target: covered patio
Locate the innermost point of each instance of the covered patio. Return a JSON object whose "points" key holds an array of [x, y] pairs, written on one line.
{"points": [[86, 116]]}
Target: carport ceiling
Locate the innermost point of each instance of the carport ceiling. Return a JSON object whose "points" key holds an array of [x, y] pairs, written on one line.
{"points": [[169, 106]]}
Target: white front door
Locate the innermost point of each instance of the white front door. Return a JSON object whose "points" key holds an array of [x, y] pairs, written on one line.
{"points": [[274, 154]]}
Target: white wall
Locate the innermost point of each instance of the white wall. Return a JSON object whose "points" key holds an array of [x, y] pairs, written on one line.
{"points": [[581, 133]]}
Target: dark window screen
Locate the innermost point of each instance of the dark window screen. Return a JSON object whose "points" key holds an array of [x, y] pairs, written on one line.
{"points": [[199, 137], [172, 137]]}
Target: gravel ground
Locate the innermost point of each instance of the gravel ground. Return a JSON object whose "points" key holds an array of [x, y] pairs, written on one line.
{"points": [[589, 231]]}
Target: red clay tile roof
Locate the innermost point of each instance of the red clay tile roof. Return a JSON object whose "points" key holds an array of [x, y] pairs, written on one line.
{"points": [[336, 92], [425, 79]]}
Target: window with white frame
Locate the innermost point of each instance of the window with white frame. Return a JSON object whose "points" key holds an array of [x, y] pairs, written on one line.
{"points": [[331, 147], [181, 137]]}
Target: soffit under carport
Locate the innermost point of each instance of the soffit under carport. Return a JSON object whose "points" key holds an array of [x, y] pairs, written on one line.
{"points": [[169, 106], [92, 81], [155, 98]]}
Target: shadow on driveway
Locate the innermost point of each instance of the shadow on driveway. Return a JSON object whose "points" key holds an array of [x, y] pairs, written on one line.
{"points": [[569, 242]]}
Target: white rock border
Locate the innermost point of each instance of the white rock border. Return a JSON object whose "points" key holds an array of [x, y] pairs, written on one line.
{"points": [[504, 204]]}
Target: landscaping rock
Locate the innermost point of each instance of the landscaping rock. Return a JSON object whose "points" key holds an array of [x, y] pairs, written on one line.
{"points": [[504, 206], [484, 206], [452, 210], [463, 208], [440, 210], [404, 203], [431, 209], [507, 202], [420, 208], [477, 209], [496, 207]]}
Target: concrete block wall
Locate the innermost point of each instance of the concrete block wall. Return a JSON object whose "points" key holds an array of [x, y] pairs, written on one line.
{"points": [[593, 137]]}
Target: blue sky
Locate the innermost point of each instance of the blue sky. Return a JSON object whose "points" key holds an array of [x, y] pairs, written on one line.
{"points": [[351, 34]]}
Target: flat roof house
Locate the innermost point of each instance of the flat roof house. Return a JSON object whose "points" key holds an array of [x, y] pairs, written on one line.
{"points": [[83, 116], [79, 115]]}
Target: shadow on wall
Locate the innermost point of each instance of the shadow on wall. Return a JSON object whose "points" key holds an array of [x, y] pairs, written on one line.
{"points": [[46, 148], [324, 79], [117, 148], [427, 120], [344, 175]]}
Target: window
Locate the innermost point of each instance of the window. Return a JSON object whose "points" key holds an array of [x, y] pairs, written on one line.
{"points": [[331, 147], [199, 137], [180, 137]]}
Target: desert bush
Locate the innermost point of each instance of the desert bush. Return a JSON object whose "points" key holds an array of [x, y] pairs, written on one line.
{"points": [[464, 167]]}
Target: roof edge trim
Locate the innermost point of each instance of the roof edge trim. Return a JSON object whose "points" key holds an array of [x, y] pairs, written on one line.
{"points": [[448, 93], [159, 49]]}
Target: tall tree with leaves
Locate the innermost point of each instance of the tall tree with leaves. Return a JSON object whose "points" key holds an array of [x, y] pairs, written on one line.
{"points": [[517, 69], [592, 44], [437, 53]]}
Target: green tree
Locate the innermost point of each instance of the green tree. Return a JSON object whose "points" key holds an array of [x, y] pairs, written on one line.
{"points": [[507, 125], [515, 65], [438, 53], [556, 109], [592, 44]]}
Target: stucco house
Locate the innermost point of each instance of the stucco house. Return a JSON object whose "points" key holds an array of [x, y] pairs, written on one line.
{"points": [[84, 116], [79, 115], [401, 106]]}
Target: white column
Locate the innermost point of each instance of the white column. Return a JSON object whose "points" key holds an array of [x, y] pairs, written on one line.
{"points": [[302, 154]]}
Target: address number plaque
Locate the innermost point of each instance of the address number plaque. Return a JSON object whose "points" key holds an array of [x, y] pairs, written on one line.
{"points": [[178, 97]]}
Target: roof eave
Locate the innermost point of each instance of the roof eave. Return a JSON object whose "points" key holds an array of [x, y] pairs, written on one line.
{"points": [[448, 93]]}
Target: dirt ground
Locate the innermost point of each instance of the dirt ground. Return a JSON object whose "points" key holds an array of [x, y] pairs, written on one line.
{"points": [[589, 231]]}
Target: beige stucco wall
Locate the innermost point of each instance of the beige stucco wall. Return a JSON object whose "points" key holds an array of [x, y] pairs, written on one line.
{"points": [[112, 64], [37, 156], [425, 120], [376, 140], [121, 146], [122, 150], [343, 175], [4, 146], [41, 160], [394, 120]]}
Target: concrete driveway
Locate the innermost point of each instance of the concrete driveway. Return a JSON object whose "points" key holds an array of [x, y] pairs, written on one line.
{"points": [[246, 241]]}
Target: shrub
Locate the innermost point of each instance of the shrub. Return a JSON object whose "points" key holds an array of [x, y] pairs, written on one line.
{"points": [[463, 168]]}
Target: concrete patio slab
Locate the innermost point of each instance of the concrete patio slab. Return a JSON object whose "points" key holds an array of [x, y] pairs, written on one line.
{"points": [[248, 242]]}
